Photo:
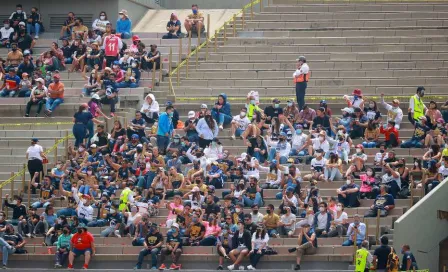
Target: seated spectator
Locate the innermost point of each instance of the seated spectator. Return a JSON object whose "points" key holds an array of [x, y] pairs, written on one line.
{"points": [[137, 126], [369, 184], [317, 167], [221, 112], [270, 221], [124, 25], [348, 194], [394, 113], [190, 127], [79, 30], [420, 136], [280, 150], [383, 203], [391, 133], [174, 28], [131, 76], [391, 179], [66, 29], [26, 66], [99, 25], [82, 243], [6, 31], [288, 200], [207, 129], [371, 135], [355, 101], [19, 210], [79, 50], [291, 109], [298, 142], [195, 231], [34, 23], [346, 120], [23, 40], [323, 104], [239, 124], [433, 113], [94, 58], [307, 244], [372, 112], [322, 220], [111, 93], [273, 111], [152, 58], [358, 124], [339, 224], [173, 247], [259, 241], [321, 120], [356, 231], [358, 161], [194, 22], [306, 116], [19, 15], [63, 247], [11, 84], [252, 194], [333, 168], [251, 105], [10, 243], [55, 95], [287, 224], [212, 230], [432, 178]]}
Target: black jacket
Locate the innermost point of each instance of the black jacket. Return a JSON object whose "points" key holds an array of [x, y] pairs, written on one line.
{"points": [[247, 238]]}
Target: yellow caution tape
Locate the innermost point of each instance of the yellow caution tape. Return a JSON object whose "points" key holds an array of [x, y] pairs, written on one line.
{"points": [[22, 172], [36, 124]]}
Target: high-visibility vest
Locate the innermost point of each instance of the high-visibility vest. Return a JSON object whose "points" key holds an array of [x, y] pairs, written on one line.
{"points": [[419, 107], [124, 196], [361, 259], [250, 110], [302, 77]]}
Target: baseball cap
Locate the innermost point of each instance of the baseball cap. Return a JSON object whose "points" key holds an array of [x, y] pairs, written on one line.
{"points": [[175, 225], [22, 23], [283, 134], [35, 140], [348, 110], [290, 189], [275, 100], [191, 114], [41, 80], [135, 136], [58, 76], [93, 146], [203, 106]]}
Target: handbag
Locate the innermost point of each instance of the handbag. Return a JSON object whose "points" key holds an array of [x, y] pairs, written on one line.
{"points": [[270, 251]]}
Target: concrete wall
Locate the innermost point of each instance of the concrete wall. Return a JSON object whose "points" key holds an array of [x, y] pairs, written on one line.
{"points": [[46, 7], [205, 4], [422, 230]]}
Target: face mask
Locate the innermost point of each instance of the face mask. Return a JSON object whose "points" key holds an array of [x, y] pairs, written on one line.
{"points": [[358, 150], [348, 182], [6, 25], [173, 229], [65, 232], [381, 151], [422, 93], [135, 65], [19, 11], [171, 114], [355, 97], [84, 201], [252, 102], [289, 104], [215, 168], [340, 132], [318, 154], [268, 211], [237, 210], [243, 114], [14, 202], [322, 209], [121, 16], [194, 219], [59, 221], [112, 211], [321, 138], [338, 208], [89, 173], [356, 222], [277, 106], [371, 106], [416, 163], [298, 131], [79, 231], [194, 11], [1, 217], [369, 173], [103, 18]]}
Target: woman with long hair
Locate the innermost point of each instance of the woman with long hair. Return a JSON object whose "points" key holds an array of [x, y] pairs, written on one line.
{"points": [[212, 231], [416, 174], [333, 168], [369, 184], [339, 224], [81, 119], [95, 109], [35, 155], [432, 154], [117, 131], [207, 129], [371, 135], [259, 243]]}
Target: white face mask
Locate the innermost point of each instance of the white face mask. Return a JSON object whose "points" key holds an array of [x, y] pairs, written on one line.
{"points": [[103, 18], [322, 209], [348, 181], [19, 11], [89, 172], [416, 163], [6, 25], [338, 208], [84, 201], [112, 211], [121, 16], [237, 210], [321, 138], [317, 154], [59, 221], [14, 202], [134, 65], [358, 150], [289, 104], [243, 114], [1, 217], [369, 173], [340, 132], [81, 149]]}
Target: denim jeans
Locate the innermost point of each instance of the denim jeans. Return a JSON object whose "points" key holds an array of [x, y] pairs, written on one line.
{"points": [[126, 84], [221, 118], [256, 201], [350, 242], [366, 144], [125, 35], [80, 132], [66, 212], [272, 232], [6, 249], [272, 151], [145, 252], [5, 93], [39, 204], [350, 200], [412, 143], [255, 257], [97, 223], [294, 152], [143, 182], [208, 241], [259, 157], [162, 143], [53, 103], [30, 28], [332, 174]]}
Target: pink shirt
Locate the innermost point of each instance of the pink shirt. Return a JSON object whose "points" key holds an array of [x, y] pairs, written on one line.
{"points": [[171, 214], [93, 109], [366, 183], [210, 229]]}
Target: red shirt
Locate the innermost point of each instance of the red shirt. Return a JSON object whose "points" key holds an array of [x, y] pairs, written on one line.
{"points": [[82, 241], [389, 131]]}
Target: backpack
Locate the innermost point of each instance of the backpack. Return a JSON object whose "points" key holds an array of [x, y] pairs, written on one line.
{"points": [[393, 261]]}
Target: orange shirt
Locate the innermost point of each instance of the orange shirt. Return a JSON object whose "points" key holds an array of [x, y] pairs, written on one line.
{"points": [[59, 87], [82, 241]]}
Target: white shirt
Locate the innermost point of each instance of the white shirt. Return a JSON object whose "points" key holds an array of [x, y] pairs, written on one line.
{"points": [[318, 165], [259, 242], [362, 156], [443, 171], [386, 179], [283, 148], [6, 32], [304, 69], [340, 219], [100, 25], [243, 123], [293, 199], [355, 103], [34, 151], [379, 157], [288, 219], [257, 218], [298, 141], [393, 114], [317, 144]]}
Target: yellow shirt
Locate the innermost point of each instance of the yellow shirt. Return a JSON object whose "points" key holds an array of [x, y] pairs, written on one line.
{"points": [[445, 152], [161, 161], [271, 220], [196, 16]]}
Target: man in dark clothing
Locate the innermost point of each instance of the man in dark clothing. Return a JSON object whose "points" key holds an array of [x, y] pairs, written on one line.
{"points": [[380, 255], [153, 244], [408, 262], [322, 120], [421, 129], [273, 111], [19, 209], [248, 224], [175, 118], [383, 203]]}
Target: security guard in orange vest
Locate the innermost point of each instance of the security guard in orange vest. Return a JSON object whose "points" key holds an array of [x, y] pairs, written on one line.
{"points": [[416, 104], [301, 77]]}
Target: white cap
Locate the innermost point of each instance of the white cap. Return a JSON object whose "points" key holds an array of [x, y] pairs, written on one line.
{"points": [[195, 189], [243, 156], [203, 106], [175, 225], [22, 23], [96, 96], [93, 146], [41, 80], [348, 110], [191, 114], [140, 145]]}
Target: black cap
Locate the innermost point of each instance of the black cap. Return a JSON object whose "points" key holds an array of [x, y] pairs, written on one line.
{"points": [[275, 100], [420, 88], [357, 110]]}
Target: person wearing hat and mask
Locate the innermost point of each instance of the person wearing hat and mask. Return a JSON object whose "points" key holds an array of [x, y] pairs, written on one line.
{"points": [[174, 147], [221, 111], [82, 243], [301, 77], [55, 95], [132, 76], [358, 124], [135, 42], [417, 107], [346, 120], [35, 154], [172, 247], [190, 127], [394, 113], [38, 95], [110, 91], [124, 25], [173, 27], [5, 33], [201, 114], [215, 176], [25, 86], [355, 101]]}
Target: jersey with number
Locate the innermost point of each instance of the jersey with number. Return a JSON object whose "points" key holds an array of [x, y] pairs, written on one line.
{"points": [[111, 47], [361, 259]]}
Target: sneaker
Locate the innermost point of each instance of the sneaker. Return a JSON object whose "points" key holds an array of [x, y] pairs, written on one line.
{"points": [[85, 266], [233, 137], [117, 233], [297, 267], [36, 37], [70, 266], [162, 267], [174, 267], [153, 268], [220, 268], [250, 267], [28, 235], [227, 257], [4, 266], [241, 267], [231, 267], [57, 266], [221, 127], [137, 268], [26, 115], [291, 250]]}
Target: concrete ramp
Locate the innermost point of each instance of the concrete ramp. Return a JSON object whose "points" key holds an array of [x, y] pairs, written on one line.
{"points": [[156, 20]]}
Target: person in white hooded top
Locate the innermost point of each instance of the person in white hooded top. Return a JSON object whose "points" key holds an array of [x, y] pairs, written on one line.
{"points": [[150, 108]]}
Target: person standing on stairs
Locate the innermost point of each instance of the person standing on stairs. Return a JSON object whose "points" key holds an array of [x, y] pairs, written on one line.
{"points": [[301, 77], [416, 105], [35, 154]]}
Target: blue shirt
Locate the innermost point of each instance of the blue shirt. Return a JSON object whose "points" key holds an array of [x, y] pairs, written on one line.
{"points": [[383, 200], [83, 117], [12, 81], [140, 122], [124, 26], [172, 240], [177, 23]]}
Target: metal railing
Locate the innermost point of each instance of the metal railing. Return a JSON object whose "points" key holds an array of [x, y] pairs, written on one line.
{"points": [[214, 38]]}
